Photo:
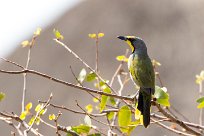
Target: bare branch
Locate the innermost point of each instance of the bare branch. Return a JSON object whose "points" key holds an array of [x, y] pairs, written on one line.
{"points": [[81, 83], [66, 83], [14, 63], [56, 123], [25, 76], [24, 124], [38, 113], [83, 62], [173, 130], [74, 111], [187, 123], [97, 42], [118, 69], [177, 121], [7, 120]]}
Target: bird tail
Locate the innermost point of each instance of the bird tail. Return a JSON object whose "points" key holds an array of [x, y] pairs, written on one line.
{"points": [[144, 103]]}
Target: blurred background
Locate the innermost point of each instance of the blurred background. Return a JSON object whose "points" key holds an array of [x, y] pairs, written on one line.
{"points": [[173, 31]]}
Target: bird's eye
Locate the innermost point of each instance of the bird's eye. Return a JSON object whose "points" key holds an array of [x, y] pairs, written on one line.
{"points": [[131, 40]]}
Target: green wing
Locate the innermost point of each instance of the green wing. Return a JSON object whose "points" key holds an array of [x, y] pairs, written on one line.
{"points": [[142, 71]]}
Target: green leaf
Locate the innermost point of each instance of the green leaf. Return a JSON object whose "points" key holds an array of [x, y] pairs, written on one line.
{"points": [[110, 115], [89, 108], [122, 58], [42, 112], [37, 121], [2, 96], [81, 129], [137, 114], [201, 105], [25, 43], [95, 100], [164, 102], [87, 120], [124, 118], [200, 78], [38, 107], [52, 117], [28, 106], [106, 89], [104, 98], [38, 31], [93, 36], [31, 121], [112, 101], [103, 102], [200, 100], [23, 115], [101, 83], [155, 63], [132, 126], [90, 77], [162, 96], [82, 75], [58, 34], [100, 35]]}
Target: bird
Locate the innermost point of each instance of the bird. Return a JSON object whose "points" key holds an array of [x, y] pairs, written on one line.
{"points": [[142, 73]]}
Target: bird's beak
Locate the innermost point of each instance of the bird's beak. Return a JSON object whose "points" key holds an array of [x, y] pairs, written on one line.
{"points": [[124, 38]]}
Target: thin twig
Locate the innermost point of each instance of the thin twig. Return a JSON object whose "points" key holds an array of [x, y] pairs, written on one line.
{"points": [[24, 124], [168, 109], [7, 120], [56, 123], [74, 111], [81, 83], [79, 87], [118, 69], [97, 42], [118, 101], [201, 109], [13, 133], [24, 80], [14, 63], [116, 73], [122, 84], [60, 128], [179, 113], [96, 65], [160, 81], [83, 62], [171, 129], [161, 120], [92, 117], [75, 76], [38, 113], [187, 123], [25, 74], [177, 121], [47, 124], [66, 83], [162, 85]]}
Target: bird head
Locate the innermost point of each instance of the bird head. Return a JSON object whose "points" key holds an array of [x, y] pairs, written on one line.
{"points": [[134, 42]]}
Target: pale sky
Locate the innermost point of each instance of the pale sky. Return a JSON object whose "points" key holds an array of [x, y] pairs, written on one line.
{"points": [[20, 18]]}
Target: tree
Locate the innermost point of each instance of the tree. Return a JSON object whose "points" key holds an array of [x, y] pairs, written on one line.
{"points": [[120, 111]]}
